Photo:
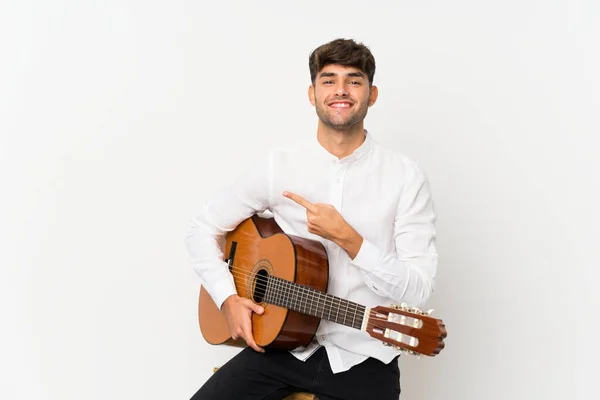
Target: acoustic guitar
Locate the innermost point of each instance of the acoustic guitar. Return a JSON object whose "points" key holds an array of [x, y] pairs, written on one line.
{"points": [[287, 275]]}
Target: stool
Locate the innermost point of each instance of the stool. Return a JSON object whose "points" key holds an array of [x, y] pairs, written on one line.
{"points": [[300, 396], [293, 396]]}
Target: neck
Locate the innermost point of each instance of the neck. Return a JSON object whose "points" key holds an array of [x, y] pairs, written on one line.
{"points": [[309, 301], [340, 142]]}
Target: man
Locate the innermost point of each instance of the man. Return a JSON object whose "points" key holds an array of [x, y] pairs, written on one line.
{"points": [[370, 207]]}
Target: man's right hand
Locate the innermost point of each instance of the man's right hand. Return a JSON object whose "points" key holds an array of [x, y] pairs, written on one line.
{"points": [[239, 316]]}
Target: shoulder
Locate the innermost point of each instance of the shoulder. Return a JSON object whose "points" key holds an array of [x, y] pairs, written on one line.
{"points": [[397, 160]]}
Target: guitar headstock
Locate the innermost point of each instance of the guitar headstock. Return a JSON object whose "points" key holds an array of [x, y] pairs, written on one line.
{"points": [[407, 328]]}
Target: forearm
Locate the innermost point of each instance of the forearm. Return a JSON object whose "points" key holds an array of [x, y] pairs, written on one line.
{"points": [[349, 240], [406, 272], [407, 279], [247, 195], [202, 241]]}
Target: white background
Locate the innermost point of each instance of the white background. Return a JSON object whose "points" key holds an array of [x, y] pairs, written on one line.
{"points": [[119, 117]]}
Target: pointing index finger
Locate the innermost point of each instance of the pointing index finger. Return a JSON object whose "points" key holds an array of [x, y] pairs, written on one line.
{"points": [[299, 199]]}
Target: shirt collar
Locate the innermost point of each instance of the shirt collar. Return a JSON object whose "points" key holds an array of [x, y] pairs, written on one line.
{"points": [[359, 152]]}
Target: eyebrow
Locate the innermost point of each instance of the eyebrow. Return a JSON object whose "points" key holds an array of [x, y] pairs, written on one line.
{"points": [[350, 74]]}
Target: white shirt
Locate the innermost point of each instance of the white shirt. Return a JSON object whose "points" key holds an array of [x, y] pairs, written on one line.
{"points": [[381, 193]]}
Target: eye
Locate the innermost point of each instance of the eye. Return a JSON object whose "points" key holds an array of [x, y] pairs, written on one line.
{"points": [[355, 83], [327, 82]]}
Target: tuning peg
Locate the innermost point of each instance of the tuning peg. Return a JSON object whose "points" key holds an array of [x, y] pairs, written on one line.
{"points": [[395, 306], [407, 351], [429, 312]]}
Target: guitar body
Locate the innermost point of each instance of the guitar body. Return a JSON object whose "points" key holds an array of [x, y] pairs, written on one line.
{"points": [[261, 248]]}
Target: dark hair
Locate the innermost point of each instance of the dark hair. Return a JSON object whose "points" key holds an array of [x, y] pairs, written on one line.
{"points": [[345, 52]]}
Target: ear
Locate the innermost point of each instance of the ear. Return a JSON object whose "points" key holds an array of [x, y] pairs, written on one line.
{"points": [[311, 95], [374, 92]]}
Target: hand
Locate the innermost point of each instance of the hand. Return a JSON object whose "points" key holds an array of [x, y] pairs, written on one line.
{"points": [[324, 220], [239, 317]]}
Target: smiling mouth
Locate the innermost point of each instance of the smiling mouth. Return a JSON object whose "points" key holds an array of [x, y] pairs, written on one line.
{"points": [[340, 105]]}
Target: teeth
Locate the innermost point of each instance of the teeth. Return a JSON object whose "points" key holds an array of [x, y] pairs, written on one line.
{"points": [[340, 105]]}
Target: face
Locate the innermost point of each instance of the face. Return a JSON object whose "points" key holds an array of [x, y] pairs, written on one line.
{"points": [[341, 96]]}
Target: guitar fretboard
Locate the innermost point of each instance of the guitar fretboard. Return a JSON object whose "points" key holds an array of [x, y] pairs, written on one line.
{"points": [[309, 301]]}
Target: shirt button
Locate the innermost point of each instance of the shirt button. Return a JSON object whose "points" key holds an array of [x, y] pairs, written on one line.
{"points": [[322, 337]]}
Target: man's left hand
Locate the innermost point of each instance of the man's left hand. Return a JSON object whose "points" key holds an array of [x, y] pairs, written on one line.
{"points": [[324, 220]]}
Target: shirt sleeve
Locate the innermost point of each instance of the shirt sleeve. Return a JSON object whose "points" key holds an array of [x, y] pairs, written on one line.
{"points": [[408, 275], [247, 195]]}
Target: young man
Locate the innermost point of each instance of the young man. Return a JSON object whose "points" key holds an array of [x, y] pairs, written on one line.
{"points": [[370, 207]]}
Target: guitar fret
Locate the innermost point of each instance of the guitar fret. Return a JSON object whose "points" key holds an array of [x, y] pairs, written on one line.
{"points": [[293, 304], [321, 296], [267, 291], [309, 301], [305, 293], [291, 292], [275, 299], [298, 304], [286, 292], [282, 292], [331, 307], [279, 293], [274, 296], [300, 301], [306, 303], [346, 313]]}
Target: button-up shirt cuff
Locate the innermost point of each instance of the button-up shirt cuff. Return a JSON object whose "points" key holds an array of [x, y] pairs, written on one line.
{"points": [[367, 256], [222, 290]]}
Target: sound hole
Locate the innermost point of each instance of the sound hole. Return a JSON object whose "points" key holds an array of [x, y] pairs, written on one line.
{"points": [[260, 286]]}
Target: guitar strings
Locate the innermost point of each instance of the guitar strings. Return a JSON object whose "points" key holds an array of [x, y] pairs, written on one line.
{"points": [[281, 289], [372, 321]]}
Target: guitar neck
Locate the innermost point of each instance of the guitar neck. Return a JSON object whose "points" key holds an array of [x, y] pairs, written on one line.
{"points": [[312, 302]]}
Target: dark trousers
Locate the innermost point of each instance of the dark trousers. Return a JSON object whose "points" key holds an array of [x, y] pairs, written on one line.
{"points": [[275, 374]]}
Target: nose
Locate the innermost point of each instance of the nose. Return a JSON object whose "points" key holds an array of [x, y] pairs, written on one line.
{"points": [[341, 90]]}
